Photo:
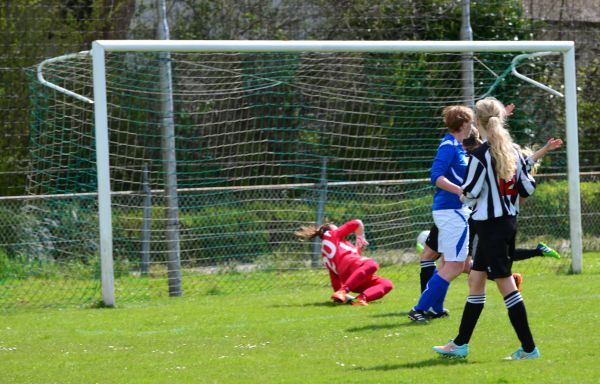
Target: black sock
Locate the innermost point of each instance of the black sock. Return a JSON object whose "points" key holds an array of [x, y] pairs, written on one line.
{"points": [[427, 270], [524, 254], [518, 318], [471, 313]]}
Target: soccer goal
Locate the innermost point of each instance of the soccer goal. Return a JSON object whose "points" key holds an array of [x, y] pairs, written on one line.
{"points": [[203, 157]]}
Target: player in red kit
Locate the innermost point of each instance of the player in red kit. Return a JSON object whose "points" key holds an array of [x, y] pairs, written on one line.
{"points": [[348, 270]]}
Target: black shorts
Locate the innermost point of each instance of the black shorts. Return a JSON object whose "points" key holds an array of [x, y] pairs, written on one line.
{"points": [[432, 239], [473, 239], [496, 246]]}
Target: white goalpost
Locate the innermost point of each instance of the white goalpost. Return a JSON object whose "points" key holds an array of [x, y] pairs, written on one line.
{"points": [[366, 161]]}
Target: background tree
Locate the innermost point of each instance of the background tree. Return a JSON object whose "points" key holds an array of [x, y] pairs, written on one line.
{"points": [[589, 115], [30, 31]]}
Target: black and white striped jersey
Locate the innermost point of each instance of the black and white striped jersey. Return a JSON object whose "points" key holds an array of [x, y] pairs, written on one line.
{"points": [[494, 197]]}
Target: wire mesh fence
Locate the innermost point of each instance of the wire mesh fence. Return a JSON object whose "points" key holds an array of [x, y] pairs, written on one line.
{"points": [[49, 247]]}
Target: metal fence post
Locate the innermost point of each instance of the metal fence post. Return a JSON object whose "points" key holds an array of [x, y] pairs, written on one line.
{"points": [[146, 217], [316, 255], [466, 33], [169, 158]]}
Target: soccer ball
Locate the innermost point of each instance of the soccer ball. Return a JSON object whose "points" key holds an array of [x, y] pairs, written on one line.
{"points": [[421, 241]]}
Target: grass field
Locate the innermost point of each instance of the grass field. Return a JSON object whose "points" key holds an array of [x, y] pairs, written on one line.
{"points": [[298, 336]]}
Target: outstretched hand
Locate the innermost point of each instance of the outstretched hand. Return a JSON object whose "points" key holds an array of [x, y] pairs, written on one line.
{"points": [[553, 143], [509, 109], [361, 242]]}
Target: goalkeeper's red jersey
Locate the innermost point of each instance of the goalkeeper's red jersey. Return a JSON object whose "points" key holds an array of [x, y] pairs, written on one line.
{"points": [[339, 255]]}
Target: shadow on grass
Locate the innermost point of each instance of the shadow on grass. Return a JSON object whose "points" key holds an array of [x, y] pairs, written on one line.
{"points": [[392, 314], [418, 364], [374, 327], [316, 304]]}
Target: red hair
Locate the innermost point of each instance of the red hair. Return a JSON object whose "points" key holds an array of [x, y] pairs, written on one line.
{"points": [[455, 116]]}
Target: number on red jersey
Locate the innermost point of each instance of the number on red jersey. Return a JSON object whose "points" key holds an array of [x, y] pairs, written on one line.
{"points": [[507, 188], [328, 251]]}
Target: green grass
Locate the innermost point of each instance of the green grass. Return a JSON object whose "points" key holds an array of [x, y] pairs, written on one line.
{"points": [[298, 336], [61, 286]]}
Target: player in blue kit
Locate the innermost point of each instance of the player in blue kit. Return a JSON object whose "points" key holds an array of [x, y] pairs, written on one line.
{"points": [[449, 213]]}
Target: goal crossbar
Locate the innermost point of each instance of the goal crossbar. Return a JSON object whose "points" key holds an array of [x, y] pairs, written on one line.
{"points": [[330, 46]]}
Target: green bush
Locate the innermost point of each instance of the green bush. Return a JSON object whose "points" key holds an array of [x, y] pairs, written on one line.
{"points": [[245, 230], [24, 267], [26, 233]]}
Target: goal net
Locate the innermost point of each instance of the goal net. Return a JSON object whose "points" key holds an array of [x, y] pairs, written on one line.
{"points": [[215, 158]]}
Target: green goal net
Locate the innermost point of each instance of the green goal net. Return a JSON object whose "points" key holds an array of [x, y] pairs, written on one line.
{"points": [[263, 143]]}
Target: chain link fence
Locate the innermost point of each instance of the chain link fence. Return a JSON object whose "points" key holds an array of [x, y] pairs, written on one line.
{"points": [[49, 248]]}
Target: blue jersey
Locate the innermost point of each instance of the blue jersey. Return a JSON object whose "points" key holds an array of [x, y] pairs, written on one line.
{"points": [[451, 162]]}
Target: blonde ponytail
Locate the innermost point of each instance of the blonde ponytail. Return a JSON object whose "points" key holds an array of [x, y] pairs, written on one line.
{"points": [[490, 116]]}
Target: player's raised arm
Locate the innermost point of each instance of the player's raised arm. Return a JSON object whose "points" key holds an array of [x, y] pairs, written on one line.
{"points": [[551, 145], [354, 226]]}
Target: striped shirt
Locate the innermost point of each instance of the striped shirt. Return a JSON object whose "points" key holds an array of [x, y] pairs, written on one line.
{"points": [[494, 197]]}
